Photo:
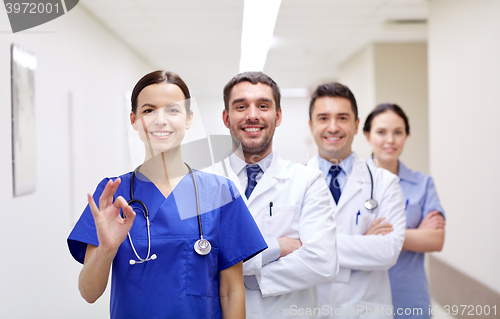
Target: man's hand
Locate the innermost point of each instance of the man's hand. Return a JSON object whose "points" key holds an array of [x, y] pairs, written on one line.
{"points": [[377, 228], [288, 245]]}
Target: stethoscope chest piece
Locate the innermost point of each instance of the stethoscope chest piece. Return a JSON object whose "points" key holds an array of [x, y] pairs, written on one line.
{"points": [[371, 204], [202, 247]]}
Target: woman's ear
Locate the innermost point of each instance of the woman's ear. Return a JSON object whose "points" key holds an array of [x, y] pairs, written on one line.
{"points": [[133, 121], [189, 120]]}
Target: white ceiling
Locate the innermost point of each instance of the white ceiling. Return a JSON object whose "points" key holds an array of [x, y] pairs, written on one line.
{"points": [[200, 39]]}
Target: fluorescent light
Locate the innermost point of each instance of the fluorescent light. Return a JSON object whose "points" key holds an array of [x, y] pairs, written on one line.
{"points": [[259, 19], [23, 57]]}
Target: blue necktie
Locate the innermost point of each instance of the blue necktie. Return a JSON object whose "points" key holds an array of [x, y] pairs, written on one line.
{"points": [[252, 172], [334, 182]]}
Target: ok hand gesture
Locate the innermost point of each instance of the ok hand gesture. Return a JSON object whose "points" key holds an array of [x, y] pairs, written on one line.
{"points": [[112, 229]]}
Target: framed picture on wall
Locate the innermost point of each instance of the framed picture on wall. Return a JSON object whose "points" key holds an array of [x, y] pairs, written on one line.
{"points": [[23, 65]]}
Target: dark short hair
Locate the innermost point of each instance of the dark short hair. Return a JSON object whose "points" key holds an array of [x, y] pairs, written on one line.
{"points": [[254, 78], [156, 77], [333, 89], [385, 107]]}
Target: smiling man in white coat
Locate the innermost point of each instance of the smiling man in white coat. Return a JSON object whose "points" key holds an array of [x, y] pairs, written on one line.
{"points": [[369, 239], [290, 203]]}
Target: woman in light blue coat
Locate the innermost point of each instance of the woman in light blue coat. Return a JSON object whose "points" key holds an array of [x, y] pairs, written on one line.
{"points": [[386, 130]]}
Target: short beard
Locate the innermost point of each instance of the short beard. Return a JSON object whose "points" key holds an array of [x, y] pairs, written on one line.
{"points": [[252, 150], [257, 149]]}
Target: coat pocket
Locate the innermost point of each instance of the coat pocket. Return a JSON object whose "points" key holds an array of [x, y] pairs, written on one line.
{"points": [[413, 215], [364, 222], [283, 221]]}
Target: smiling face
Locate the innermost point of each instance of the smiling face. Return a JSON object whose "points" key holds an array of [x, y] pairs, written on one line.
{"points": [[161, 118], [333, 126], [252, 118], [387, 136]]}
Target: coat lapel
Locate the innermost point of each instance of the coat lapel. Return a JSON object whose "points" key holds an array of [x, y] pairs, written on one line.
{"points": [[227, 171], [313, 162], [355, 181], [273, 174]]}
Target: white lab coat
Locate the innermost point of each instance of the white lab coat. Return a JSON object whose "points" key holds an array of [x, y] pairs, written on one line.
{"points": [[363, 281], [302, 208]]}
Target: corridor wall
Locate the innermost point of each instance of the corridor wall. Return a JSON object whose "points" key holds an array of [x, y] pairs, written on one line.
{"points": [[464, 79]]}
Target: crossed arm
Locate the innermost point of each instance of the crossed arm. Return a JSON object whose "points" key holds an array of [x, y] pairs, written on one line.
{"points": [[429, 236], [311, 258]]}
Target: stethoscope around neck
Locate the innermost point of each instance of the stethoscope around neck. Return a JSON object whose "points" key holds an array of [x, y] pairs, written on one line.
{"points": [[201, 246], [371, 203]]}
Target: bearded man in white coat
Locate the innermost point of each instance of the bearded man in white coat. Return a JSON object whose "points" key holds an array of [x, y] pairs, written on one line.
{"points": [[290, 203], [368, 240]]}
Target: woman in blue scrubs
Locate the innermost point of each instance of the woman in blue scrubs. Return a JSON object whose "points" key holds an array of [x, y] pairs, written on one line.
{"points": [[386, 129], [156, 272]]}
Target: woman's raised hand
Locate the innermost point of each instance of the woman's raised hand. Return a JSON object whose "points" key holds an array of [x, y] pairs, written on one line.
{"points": [[112, 229]]}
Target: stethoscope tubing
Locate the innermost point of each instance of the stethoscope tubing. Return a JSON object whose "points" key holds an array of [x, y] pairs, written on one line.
{"points": [[371, 203], [202, 246], [371, 179], [197, 200]]}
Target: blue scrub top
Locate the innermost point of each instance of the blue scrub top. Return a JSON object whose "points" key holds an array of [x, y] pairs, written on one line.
{"points": [[179, 283], [408, 279]]}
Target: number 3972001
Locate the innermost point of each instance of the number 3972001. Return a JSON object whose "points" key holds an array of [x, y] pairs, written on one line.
{"points": [[27, 7], [470, 310]]}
